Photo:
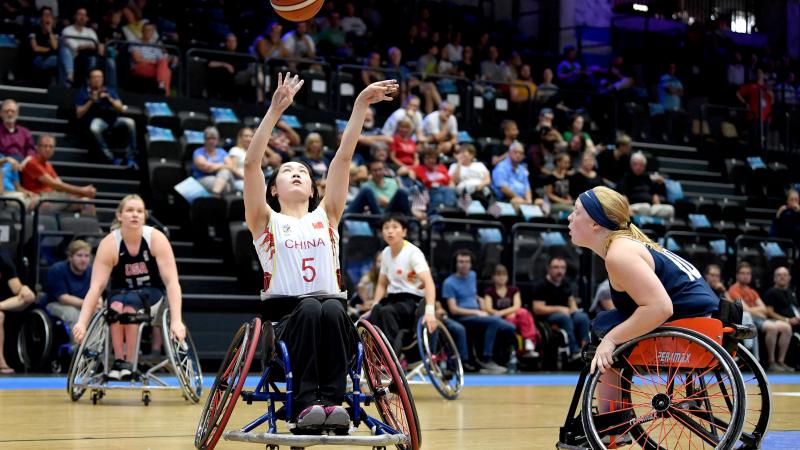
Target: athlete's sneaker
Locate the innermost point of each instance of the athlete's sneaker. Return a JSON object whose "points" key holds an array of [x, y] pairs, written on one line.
{"points": [[313, 416], [119, 370], [336, 416], [491, 367]]}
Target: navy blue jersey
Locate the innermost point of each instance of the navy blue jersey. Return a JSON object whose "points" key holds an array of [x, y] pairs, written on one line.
{"points": [[135, 271], [690, 294]]}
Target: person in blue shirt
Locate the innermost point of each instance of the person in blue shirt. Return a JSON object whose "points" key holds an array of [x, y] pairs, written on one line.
{"points": [[68, 282], [510, 178], [211, 165], [10, 185], [670, 89], [460, 291]]}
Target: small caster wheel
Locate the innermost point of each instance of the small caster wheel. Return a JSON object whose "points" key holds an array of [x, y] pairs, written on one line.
{"points": [[95, 397], [146, 398], [273, 447]]}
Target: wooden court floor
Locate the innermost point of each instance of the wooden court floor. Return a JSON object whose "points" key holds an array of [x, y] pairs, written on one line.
{"points": [[482, 418]]}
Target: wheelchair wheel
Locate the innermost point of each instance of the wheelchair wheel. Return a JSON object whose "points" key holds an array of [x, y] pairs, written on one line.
{"points": [[35, 340], [677, 388], [184, 360], [227, 385], [87, 362], [388, 385], [759, 400], [442, 361]]}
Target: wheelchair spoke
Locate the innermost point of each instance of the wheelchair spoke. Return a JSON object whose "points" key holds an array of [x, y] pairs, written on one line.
{"points": [[695, 427]]}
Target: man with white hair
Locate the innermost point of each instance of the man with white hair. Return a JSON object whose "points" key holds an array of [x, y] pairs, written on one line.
{"points": [[441, 128], [16, 141], [642, 190], [510, 178]]}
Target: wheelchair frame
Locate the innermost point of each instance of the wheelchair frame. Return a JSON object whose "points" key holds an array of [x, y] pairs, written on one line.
{"points": [[90, 363], [580, 432], [373, 354], [429, 364]]}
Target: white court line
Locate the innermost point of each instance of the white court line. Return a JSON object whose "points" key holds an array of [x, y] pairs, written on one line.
{"points": [[787, 394]]}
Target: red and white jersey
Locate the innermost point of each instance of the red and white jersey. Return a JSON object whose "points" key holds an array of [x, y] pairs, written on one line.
{"points": [[299, 256]]}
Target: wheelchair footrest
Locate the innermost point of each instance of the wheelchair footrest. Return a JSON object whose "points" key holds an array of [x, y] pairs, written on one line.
{"points": [[303, 441], [321, 430]]}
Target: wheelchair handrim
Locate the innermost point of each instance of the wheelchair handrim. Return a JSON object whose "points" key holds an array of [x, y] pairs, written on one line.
{"points": [[96, 326], [761, 426], [184, 361], [447, 390], [739, 405]]}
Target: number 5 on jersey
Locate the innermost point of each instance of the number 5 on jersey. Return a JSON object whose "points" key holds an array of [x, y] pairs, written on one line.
{"points": [[307, 267]]}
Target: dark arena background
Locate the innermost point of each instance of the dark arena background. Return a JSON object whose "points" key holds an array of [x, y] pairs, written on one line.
{"points": [[507, 110]]}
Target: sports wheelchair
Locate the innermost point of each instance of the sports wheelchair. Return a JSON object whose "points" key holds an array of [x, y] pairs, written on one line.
{"points": [[374, 357], [681, 386], [435, 355], [43, 341], [93, 358]]}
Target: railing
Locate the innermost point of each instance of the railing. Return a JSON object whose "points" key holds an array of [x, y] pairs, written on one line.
{"points": [[20, 255], [202, 52], [355, 71]]}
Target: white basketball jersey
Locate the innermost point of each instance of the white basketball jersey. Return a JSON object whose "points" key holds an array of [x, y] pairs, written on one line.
{"points": [[299, 256]]}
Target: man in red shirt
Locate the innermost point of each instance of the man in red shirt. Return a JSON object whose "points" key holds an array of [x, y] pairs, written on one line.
{"points": [[40, 177], [758, 98], [16, 141]]}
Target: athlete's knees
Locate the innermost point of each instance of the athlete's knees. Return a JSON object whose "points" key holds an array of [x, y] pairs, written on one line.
{"points": [[332, 310]]}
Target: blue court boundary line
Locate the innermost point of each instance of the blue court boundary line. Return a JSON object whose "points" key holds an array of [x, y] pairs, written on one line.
{"points": [[532, 380]]}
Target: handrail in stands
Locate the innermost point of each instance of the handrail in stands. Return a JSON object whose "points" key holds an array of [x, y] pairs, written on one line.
{"points": [[341, 68]]}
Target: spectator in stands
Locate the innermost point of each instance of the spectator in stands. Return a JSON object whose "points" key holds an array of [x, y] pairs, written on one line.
{"points": [[781, 302], [736, 71], [557, 186], [547, 89], [380, 194], [298, 43], [409, 111], [332, 39], [403, 149], [574, 129], [99, 106], [585, 177], [151, 62], [713, 276], [44, 42], [569, 70], [545, 120], [785, 92], [315, 158], [351, 23], [134, 22], [230, 76], [460, 291], [86, 45], [470, 177], [270, 45], [111, 27], [777, 333], [510, 178], [41, 178], [670, 89], [524, 89], [602, 300], [370, 76], [787, 220], [435, 177], [16, 141], [492, 69], [366, 285], [427, 89], [281, 142], [14, 296], [212, 165], [510, 135], [541, 158], [467, 67], [503, 300], [642, 190], [238, 151], [10, 185], [615, 162], [68, 282], [441, 128], [455, 51], [428, 63], [554, 301]]}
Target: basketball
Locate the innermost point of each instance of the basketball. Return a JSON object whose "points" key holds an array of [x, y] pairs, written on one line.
{"points": [[297, 10]]}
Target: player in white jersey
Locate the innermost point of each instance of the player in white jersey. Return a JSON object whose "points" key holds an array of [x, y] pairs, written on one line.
{"points": [[294, 233], [405, 280]]}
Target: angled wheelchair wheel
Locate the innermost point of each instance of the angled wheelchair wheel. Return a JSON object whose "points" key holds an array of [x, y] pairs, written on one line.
{"points": [[35, 340], [87, 362], [441, 359], [388, 385], [227, 385], [677, 389], [759, 400], [184, 360]]}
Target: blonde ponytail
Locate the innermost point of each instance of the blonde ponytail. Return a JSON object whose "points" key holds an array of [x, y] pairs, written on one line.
{"points": [[616, 207]]}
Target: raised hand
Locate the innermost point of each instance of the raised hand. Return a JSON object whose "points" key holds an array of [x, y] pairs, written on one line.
{"points": [[379, 91], [288, 86]]}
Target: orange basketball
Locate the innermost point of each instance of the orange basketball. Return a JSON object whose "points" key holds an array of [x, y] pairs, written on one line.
{"points": [[297, 10]]}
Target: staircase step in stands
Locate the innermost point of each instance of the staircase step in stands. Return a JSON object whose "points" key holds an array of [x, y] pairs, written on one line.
{"points": [[182, 249], [668, 150], [720, 198], [43, 110], [24, 94], [44, 124], [199, 266], [760, 213], [705, 187], [208, 284], [693, 175], [665, 162], [71, 154], [95, 170], [106, 185], [213, 326]]}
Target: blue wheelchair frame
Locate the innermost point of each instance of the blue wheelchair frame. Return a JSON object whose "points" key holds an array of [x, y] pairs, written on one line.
{"points": [[267, 390]]}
